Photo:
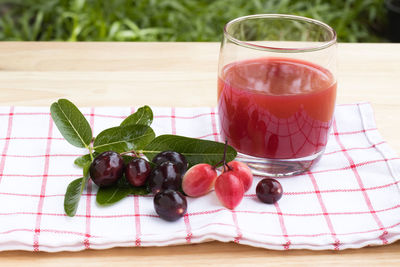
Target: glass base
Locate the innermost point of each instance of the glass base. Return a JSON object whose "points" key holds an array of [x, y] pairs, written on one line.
{"points": [[279, 167]]}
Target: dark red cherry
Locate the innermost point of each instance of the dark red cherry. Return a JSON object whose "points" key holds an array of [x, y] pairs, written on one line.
{"points": [[165, 176], [177, 158], [137, 171], [269, 190], [170, 205], [106, 168]]}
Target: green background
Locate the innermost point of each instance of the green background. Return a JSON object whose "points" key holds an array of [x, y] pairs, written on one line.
{"points": [[175, 20]]}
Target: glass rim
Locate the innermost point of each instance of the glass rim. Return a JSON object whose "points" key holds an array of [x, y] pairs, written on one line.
{"points": [[323, 45]]}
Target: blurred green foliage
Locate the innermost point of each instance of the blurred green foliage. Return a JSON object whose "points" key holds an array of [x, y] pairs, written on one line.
{"points": [[174, 20]]}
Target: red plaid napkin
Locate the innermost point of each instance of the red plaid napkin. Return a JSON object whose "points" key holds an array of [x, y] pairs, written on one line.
{"points": [[351, 198]]}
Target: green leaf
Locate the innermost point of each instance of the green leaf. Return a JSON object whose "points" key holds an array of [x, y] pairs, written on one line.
{"points": [[71, 123], [82, 160], [143, 115], [124, 138], [110, 195], [74, 192], [195, 150], [139, 191], [72, 196]]}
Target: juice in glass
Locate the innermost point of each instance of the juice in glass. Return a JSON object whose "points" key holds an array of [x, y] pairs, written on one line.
{"points": [[277, 90], [275, 107]]}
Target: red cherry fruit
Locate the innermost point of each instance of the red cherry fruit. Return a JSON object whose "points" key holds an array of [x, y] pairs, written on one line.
{"points": [[229, 189], [243, 172], [199, 180], [137, 171], [269, 190], [106, 168]]}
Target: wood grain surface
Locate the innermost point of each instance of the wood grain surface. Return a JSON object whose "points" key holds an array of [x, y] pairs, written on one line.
{"points": [[184, 74]]}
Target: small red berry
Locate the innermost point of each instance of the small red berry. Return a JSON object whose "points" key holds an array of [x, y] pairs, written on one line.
{"points": [[229, 189], [269, 190], [199, 180], [243, 172]]}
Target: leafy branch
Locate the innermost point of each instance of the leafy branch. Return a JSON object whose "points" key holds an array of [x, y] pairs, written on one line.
{"points": [[133, 136]]}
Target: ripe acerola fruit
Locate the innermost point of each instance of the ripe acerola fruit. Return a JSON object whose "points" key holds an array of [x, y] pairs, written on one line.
{"points": [[243, 172], [199, 180], [229, 189]]}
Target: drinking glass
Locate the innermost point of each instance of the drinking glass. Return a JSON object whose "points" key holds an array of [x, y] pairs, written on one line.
{"points": [[277, 91]]}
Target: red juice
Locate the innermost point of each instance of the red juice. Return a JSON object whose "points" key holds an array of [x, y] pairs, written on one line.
{"points": [[277, 108]]}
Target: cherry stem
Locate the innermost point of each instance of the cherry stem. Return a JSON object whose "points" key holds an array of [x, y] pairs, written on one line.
{"points": [[130, 152], [223, 161]]}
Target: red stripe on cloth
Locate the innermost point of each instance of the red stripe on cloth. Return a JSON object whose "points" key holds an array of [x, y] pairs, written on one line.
{"points": [[238, 231], [41, 156], [86, 241], [138, 241], [317, 214], [283, 226], [325, 211], [7, 143], [110, 116], [27, 113], [206, 212], [361, 185], [43, 230], [43, 188], [173, 121], [214, 125], [207, 135], [136, 207], [155, 116], [246, 195], [336, 190], [264, 234], [352, 166], [27, 195], [373, 146], [183, 117], [186, 217], [78, 215], [203, 213], [354, 132], [188, 228], [32, 138], [41, 175], [137, 221]]}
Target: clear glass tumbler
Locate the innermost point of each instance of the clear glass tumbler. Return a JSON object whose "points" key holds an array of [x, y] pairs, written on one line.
{"points": [[277, 91]]}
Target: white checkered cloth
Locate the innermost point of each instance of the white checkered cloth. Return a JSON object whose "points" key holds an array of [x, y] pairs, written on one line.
{"points": [[350, 199]]}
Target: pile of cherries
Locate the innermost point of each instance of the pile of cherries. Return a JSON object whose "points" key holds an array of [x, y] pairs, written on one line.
{"points": [[170, 180]]}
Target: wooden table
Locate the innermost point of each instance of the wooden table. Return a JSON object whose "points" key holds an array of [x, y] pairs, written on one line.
{"points": [[183, 74]]}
